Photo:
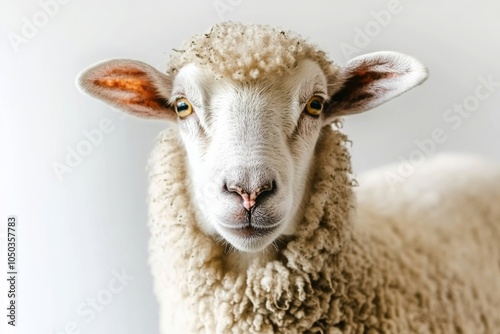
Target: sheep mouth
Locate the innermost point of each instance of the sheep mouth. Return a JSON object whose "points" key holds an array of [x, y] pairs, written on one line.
{"points": [[249, 237], [249, 231], [252, 232]]}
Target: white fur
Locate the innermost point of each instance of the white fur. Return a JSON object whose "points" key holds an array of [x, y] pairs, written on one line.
{"points": [[249, 126]]}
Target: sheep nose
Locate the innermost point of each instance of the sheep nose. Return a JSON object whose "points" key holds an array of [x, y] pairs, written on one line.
{"points": [[250, 197]]}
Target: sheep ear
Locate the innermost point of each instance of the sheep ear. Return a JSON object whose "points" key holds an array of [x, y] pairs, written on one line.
{"points": [[130, 85], [370, 80]]}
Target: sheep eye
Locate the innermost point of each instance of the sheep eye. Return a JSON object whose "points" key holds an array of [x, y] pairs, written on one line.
{"points": [[183, 107], [315, 106]]}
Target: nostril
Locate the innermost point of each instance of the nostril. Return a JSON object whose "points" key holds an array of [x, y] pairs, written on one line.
{"points": [[263, 192], [267, 187], [233, 188]]}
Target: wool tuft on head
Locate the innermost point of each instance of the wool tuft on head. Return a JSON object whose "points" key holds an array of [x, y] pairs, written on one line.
{"points": [[247, 52]]}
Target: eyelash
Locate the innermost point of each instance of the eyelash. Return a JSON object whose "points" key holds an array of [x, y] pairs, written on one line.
{"points": [[304, 98]]}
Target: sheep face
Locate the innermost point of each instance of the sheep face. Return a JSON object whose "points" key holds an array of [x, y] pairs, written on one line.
{"points": [[249, 147], [250, 143]]}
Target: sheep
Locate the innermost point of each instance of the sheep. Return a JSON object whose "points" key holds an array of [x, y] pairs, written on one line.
{"points": [[256, 222]]}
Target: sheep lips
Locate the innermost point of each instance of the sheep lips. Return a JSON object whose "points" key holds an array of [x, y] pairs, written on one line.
{"points": [[252, 224]]}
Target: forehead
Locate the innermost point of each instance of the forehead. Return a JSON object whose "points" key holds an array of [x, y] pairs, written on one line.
{"points": [[195, 82]]}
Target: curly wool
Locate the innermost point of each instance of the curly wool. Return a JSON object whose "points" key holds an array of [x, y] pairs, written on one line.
{"points": [[387, 272], [246, 52], [292, 295]]}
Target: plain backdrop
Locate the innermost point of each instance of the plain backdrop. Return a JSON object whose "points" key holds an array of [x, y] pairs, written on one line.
{"points": [[81, 226]]}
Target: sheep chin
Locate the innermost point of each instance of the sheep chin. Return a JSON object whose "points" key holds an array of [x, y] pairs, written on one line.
{"points": [[249, 239]]}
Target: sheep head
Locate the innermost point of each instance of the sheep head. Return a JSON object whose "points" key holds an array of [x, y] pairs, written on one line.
{"points": [[250, 102]]}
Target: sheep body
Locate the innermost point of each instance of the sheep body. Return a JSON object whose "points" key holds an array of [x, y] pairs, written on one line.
{"points": [[422, 257]]}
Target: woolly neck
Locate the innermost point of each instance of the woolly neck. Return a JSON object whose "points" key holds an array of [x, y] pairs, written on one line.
{"points": [[295, 290]]}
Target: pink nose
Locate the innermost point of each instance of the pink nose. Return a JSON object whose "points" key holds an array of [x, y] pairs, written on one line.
{"points": [[249, 199]]}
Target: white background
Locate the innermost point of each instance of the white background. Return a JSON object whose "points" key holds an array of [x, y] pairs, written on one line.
{"points": [[76, 230]]}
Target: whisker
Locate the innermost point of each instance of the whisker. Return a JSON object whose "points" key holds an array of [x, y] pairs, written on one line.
{"points": [[275, 245], [280, 241], [266, 250]]}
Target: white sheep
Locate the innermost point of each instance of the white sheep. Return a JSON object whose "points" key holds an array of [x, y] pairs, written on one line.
{"points": [[254, 223]]}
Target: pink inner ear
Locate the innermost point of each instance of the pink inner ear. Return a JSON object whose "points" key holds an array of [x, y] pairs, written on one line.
{"points": [[370, 80], [366, 76], [358, 89], [133, 81], [360, 82]]}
